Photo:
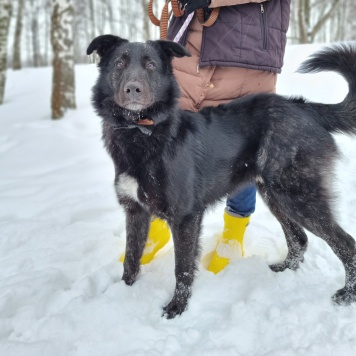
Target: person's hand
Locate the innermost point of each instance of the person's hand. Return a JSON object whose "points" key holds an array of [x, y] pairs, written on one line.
{"points": [[191, 5]]}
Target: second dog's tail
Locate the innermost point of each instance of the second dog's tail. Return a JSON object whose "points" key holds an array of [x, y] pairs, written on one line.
{"points": [[340, 58]]}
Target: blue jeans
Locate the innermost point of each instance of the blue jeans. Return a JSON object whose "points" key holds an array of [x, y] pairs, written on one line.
{"points": [[242, 203]]}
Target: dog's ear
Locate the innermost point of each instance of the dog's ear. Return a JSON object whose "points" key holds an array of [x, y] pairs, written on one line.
{"points": [[103, 44], [172, 49]]}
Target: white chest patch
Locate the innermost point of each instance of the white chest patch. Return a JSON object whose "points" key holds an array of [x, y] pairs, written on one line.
{"points": [[127, 187]]}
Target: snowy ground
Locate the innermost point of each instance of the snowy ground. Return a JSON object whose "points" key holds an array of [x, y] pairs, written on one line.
{"points": [[61, 232]]}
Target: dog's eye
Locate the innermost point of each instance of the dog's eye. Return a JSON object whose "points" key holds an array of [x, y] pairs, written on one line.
{"points": [[120, 64], [150, 65]]}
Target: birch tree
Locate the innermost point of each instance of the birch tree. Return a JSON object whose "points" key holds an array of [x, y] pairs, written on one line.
{"points": [[5, 15], [63, 80], [16, 57]]}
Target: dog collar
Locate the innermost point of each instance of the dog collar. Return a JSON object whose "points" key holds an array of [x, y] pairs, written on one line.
{"points": [[145, 122], [142, 125]]}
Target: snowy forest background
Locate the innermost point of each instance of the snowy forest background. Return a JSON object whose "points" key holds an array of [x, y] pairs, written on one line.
{"points": [[36, 33], [62, 230]]}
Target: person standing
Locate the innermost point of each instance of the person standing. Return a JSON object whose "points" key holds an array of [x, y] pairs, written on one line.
{"points": [[240, 54]]}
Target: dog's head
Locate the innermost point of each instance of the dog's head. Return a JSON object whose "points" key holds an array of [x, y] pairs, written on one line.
{"points": [[136, 76]]}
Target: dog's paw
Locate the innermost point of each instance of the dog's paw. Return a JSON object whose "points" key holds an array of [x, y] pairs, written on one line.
{"points": [[129, 278], [292, 264], [345, 296], [174, 308], [278, 267], [131, 271]]}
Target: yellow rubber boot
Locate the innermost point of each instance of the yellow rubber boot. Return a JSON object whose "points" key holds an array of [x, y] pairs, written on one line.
{"points": [[231, 242], [158, 236]]}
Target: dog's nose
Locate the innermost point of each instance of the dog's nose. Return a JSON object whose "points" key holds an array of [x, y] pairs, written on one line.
{"points": [[133, 90]]}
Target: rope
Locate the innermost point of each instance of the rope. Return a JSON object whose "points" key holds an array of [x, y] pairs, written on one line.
{"points": [[178, 12]]}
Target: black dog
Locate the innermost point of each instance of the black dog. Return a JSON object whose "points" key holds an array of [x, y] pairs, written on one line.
{"points": [[174, 164]]}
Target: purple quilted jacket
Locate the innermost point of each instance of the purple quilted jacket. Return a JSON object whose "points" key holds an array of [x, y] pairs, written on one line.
{"points": [[251, 35]]}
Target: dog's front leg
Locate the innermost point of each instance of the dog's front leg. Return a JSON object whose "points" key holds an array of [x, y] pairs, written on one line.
{"points": [[137, 225], [186, 248]]}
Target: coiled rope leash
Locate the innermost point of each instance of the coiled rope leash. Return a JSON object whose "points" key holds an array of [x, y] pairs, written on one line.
{"points": [[178, 11]]}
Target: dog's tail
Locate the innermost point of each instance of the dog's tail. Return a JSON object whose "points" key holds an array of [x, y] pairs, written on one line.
{"points": [[340, 58]]}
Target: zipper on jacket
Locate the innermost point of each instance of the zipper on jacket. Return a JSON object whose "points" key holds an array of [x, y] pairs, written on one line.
{"points": [[264, 27]]}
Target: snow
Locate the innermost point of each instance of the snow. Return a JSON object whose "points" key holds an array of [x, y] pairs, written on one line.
{"points": [[62, 231]]}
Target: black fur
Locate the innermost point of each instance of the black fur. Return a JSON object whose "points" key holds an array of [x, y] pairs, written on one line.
{"points": [[187, 161]]}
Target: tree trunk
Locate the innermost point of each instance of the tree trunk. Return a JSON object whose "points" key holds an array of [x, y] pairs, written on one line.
{"points": [[47, 32], [92, 18], [304, 20], [350, 27], [111, 16], [35, 33], [146, 21], [16, 59], [5, 16], [63, 81]]}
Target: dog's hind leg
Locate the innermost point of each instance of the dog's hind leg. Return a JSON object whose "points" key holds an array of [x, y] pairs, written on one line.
{"points": [[137, 225], [314, 214], [343, 246], [346, 251], [296, 238], [186, 248]]}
